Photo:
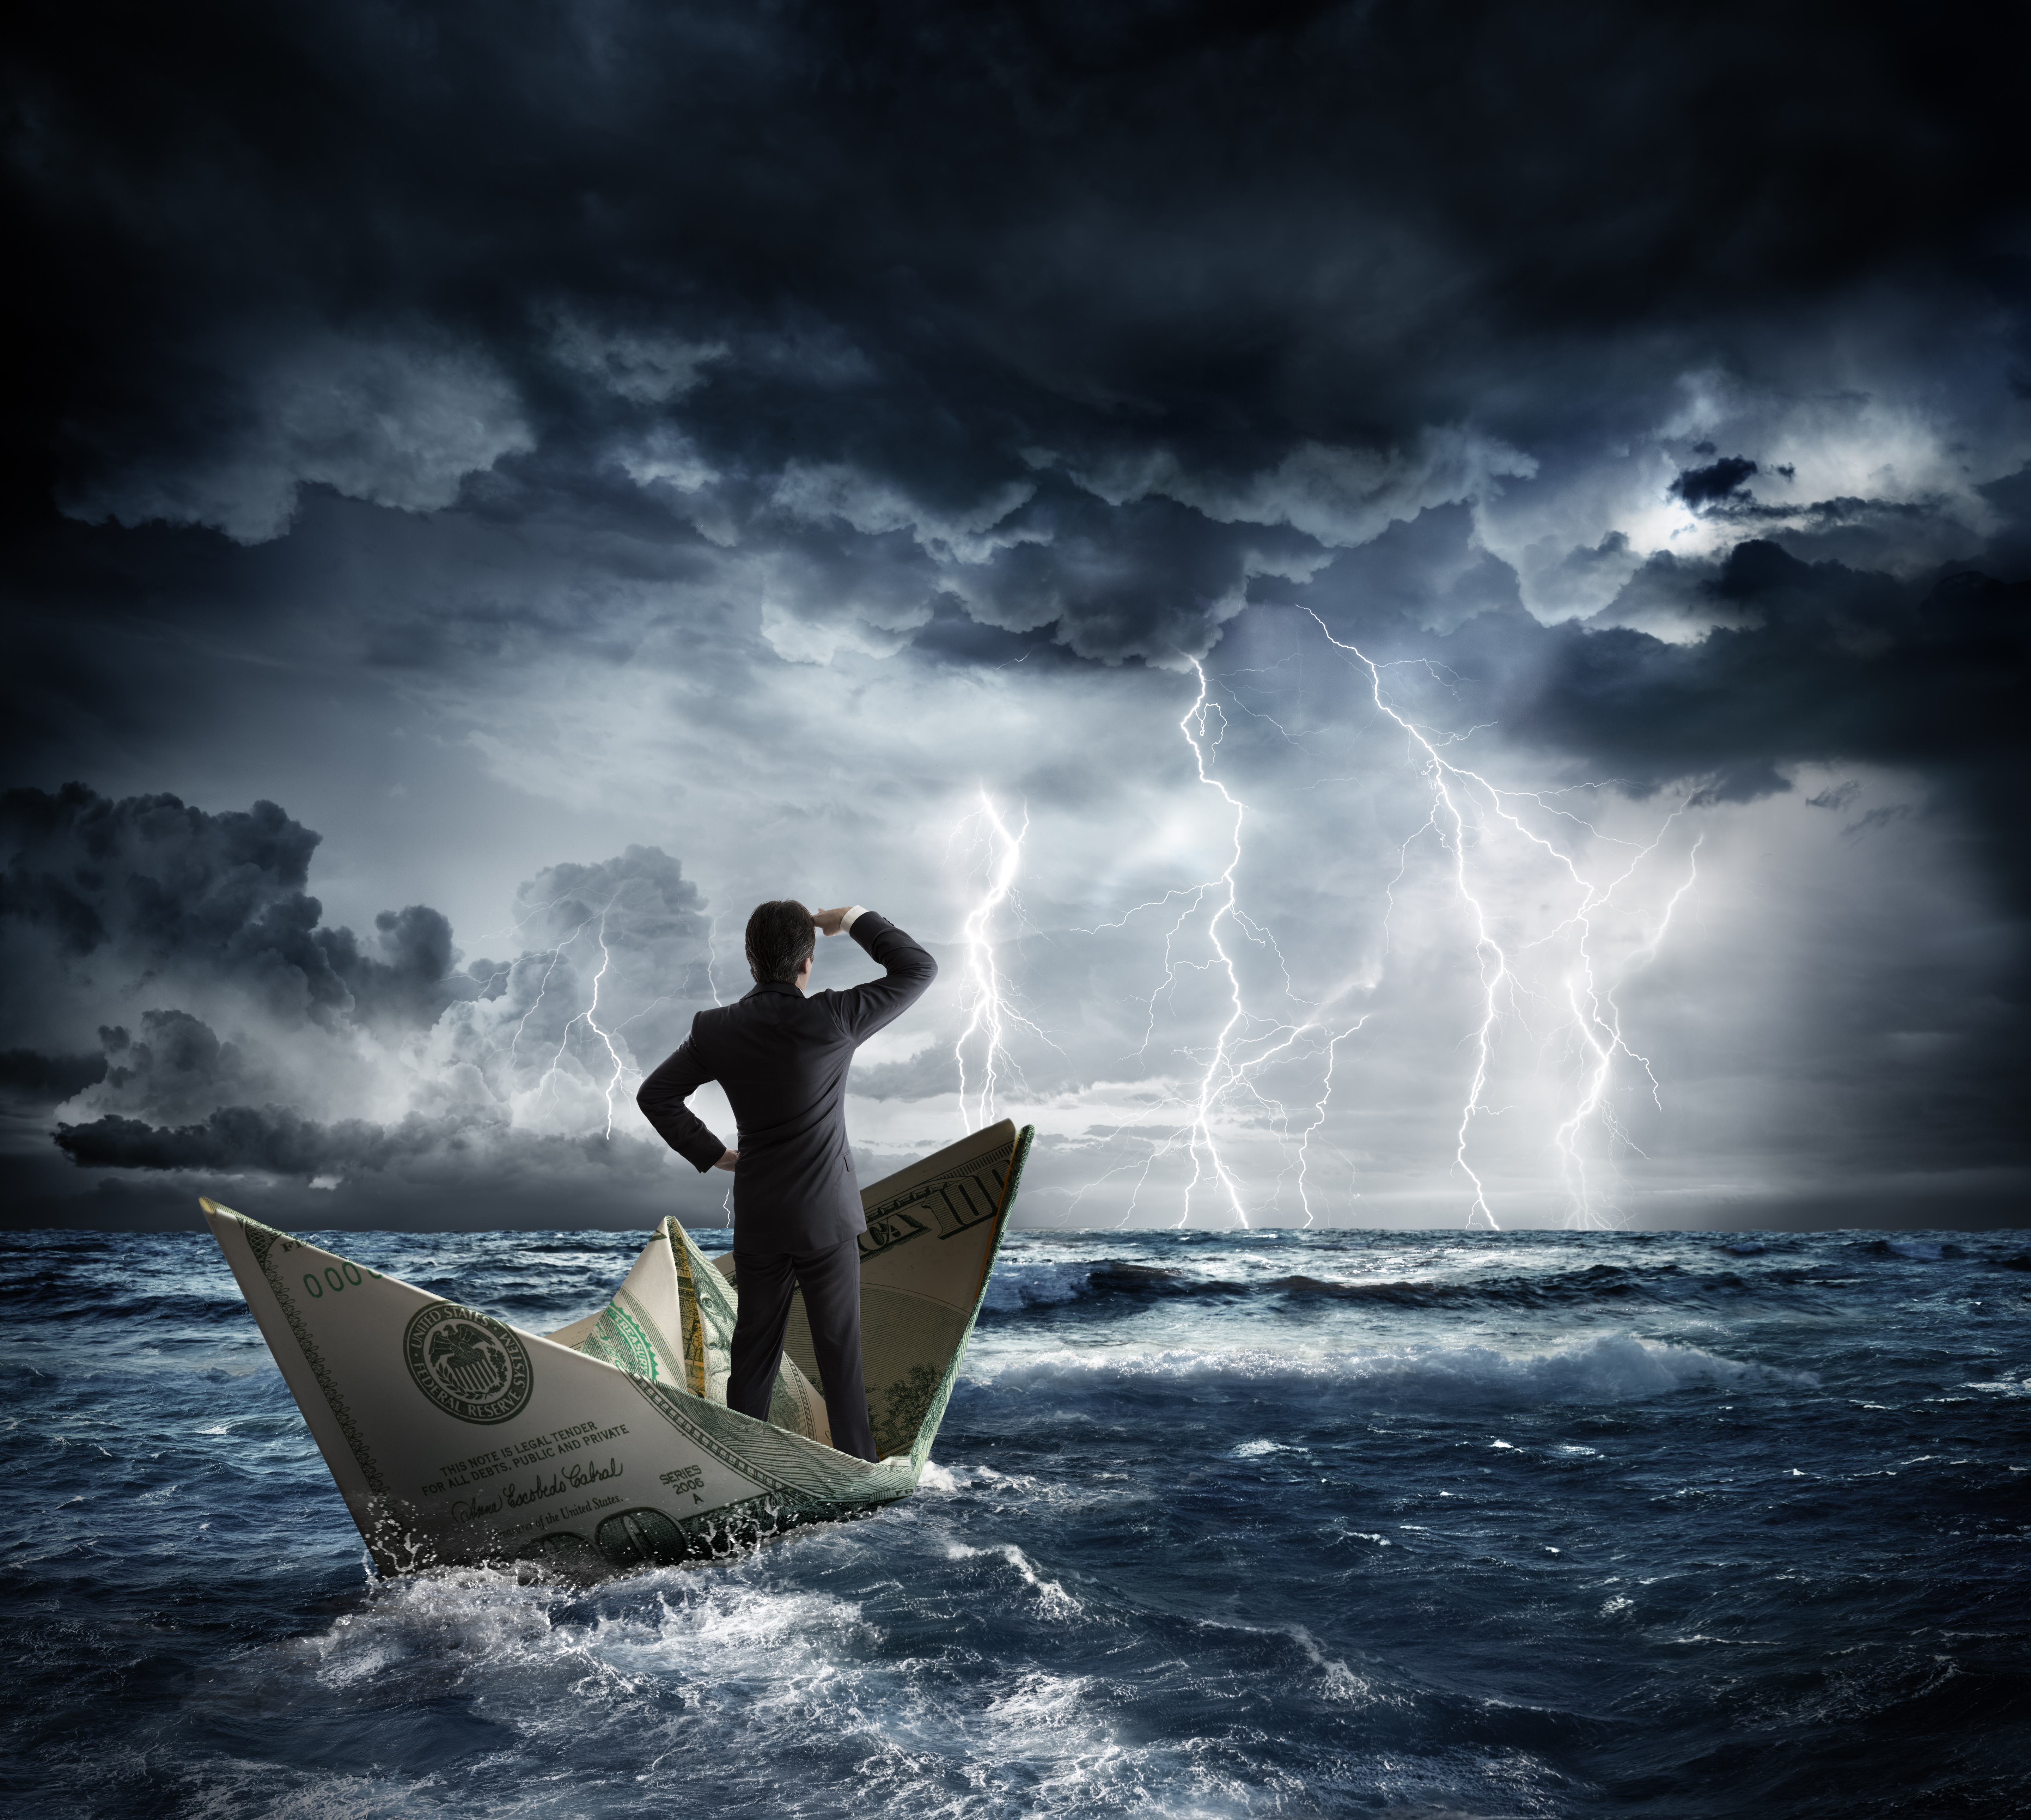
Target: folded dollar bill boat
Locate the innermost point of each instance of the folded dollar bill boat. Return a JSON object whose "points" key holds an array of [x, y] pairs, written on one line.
{"points": [[457, 1438]]}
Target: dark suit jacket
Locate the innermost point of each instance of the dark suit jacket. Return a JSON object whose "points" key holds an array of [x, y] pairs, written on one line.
{"points": [[782, 1058]]}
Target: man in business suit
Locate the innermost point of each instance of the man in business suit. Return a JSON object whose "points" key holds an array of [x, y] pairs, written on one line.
{"points": [[782, 1058]]}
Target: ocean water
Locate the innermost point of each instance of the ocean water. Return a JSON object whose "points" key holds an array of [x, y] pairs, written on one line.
{"points": [[1264, 1524]]}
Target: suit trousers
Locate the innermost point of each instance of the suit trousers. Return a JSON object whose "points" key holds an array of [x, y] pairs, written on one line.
{"points": [[830, 1280]]}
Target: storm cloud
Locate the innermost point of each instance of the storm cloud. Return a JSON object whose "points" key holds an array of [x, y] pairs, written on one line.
{"points": [[148, 883], [474, 1072], [746, 435]]}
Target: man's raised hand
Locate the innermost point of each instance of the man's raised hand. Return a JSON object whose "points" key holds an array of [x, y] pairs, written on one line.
{"points": [[831, 922]]}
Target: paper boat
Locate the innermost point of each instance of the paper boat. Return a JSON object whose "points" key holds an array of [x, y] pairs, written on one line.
{"points": [[457, 1438]]}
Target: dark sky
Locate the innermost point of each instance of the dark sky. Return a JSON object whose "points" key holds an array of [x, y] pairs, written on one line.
{"points": [[1426, 604]]}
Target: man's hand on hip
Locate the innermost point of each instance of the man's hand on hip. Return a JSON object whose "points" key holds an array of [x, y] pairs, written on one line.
{"points": [[727, 1159]]}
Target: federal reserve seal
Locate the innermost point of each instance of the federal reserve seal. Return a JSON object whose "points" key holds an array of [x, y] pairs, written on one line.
{"points": [[468, 1364]]}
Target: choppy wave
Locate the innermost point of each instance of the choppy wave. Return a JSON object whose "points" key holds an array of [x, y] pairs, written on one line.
{"points": [[1071, 1287], [1275, 1524], [746, 1692], [1611, 1368]]}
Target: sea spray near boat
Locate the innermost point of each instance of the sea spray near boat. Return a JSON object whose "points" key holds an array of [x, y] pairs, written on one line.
{"points": [[455, 1438]]}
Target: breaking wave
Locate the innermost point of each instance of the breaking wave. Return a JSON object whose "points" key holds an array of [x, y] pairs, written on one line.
{"points": [[1611, 1368], [1042, 1287]]}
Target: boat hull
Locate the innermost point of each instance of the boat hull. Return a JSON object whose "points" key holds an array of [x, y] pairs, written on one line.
{"points": [[455, 1439]]}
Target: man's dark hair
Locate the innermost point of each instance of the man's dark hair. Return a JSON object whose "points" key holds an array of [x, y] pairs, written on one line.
{"points": [[780, 935]]}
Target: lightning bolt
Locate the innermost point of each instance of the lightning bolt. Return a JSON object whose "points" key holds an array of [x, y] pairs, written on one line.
{"points": [[543, 986], [1319, 1115], [1591, 1009], [1598, 1019], [598, 1027], [1220, 1073], [712, 958], [712, 980], [989, 1013], [1247, 1043], [589, 1016]]}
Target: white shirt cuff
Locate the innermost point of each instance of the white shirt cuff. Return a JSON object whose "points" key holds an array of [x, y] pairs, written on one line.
{"points": [[846, 921]]}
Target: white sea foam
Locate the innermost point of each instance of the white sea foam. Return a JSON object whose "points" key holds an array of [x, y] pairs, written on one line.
{"points": [[235, 1788], [775, 1697], [1610, 1368], [1053, 1600], [1340, 1683]]}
